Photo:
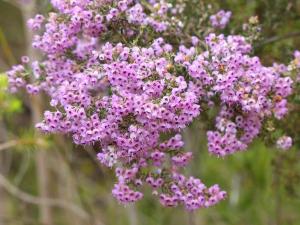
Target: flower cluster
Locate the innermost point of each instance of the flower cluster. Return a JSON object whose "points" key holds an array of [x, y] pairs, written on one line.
{"points": [[97, 19], [220, 19], [36, 22], [284, 143], [125, 99], [245, 91], [133, 100]]}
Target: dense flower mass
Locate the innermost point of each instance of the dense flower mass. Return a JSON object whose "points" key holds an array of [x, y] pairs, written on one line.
{"points": [[245, 91], [133, 100]]}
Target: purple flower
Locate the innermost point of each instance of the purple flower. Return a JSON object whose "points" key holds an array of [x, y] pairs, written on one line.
{"points": [[220, 19], [284, 143]]}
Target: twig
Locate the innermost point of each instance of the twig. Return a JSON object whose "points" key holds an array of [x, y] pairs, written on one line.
{"points": [[13, 190], [75, 176], [6, 49], [8, 145], [191, 218], [12, 2], [278, 38], [22, 170], [14, 143], [132, 215], [93, 156]]}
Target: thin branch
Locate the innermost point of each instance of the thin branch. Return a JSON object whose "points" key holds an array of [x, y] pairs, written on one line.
{"points": [[12, 2], [6, 49], [13, 190], [75, 176], [21, 142], [8, 145], [278, 38], [93, 156]]}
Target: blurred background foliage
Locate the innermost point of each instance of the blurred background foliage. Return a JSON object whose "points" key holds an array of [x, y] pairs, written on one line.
{"points": [[47, 180]]}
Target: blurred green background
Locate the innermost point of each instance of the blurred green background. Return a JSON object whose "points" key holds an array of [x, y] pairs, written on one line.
{"points": [[47, 180]]}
